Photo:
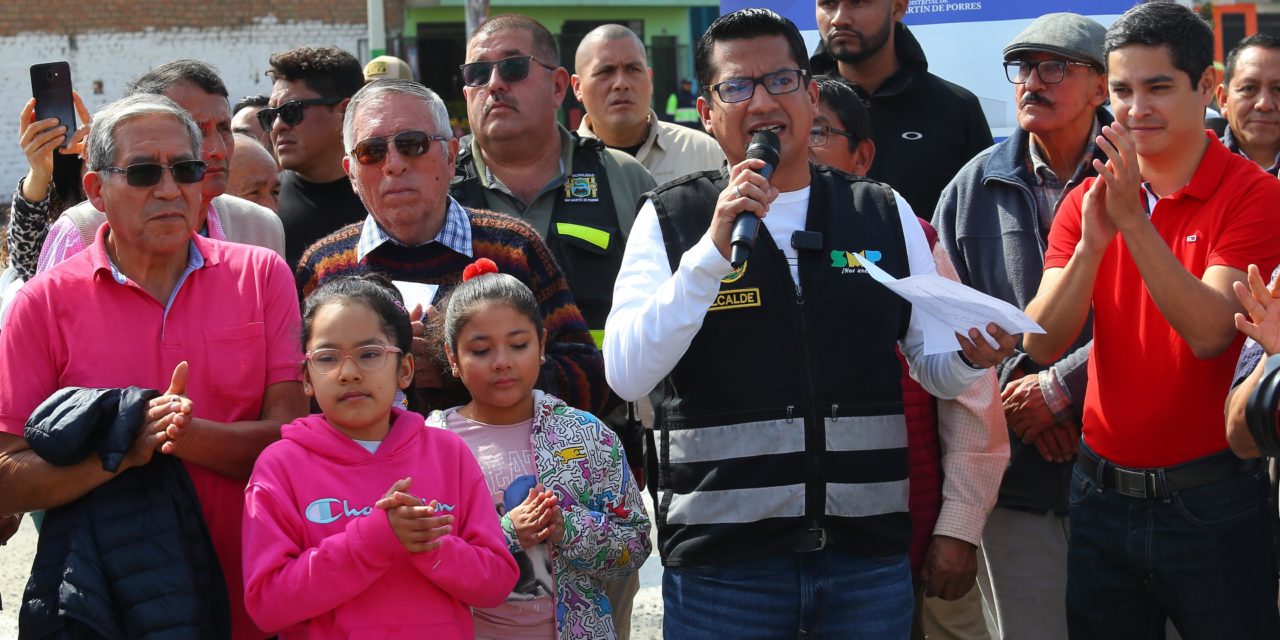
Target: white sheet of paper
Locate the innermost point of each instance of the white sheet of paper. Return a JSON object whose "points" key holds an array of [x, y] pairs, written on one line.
{"points": [[949, 307], [416, 293]]}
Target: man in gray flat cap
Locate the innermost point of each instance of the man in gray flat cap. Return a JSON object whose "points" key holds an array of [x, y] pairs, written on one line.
{"points": [[994, 219]]}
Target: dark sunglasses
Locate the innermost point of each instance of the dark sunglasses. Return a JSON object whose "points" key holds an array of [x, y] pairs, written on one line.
{"points": [[292, 111], [148, 174], [408, 143], [513, 69]]}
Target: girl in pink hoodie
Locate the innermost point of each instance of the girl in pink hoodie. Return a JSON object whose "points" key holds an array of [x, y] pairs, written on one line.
{"points": [[337, 541]]}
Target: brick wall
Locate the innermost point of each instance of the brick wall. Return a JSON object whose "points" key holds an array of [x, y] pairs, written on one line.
{"points": [[115, 41], [78, 16]]}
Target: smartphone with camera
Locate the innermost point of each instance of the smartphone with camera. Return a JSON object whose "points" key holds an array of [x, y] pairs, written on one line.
{"points": [[51, 87]]}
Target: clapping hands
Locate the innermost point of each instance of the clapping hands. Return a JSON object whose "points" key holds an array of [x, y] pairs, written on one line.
{"points": [[1259, 301]]}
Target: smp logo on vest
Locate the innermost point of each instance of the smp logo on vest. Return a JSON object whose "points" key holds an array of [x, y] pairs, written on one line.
{"points": [[847, 263], [326, 510]]}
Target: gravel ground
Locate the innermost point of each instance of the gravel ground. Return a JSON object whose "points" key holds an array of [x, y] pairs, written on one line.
{"points": [[646, 613], [15, 565]]}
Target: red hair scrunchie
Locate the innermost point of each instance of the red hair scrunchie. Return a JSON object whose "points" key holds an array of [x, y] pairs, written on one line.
{"points": [[479, 268]]}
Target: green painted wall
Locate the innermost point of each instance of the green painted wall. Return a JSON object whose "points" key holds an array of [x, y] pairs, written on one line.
{"points": [[670, 18]]}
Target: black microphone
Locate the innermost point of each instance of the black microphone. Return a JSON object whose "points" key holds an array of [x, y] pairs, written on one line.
{"points": [[764, 146]]}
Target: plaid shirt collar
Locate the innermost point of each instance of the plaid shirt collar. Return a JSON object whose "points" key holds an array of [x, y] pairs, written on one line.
{"points": [[455, 233], [1046, 176]]}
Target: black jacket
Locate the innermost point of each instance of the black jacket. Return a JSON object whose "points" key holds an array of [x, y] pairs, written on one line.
{"points": [[132, 558], [924, 127]]}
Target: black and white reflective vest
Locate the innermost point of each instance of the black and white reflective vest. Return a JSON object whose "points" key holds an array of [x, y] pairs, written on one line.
{"points": [[782, 426]]}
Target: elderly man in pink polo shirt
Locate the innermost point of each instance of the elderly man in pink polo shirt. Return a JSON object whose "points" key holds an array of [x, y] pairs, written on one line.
{"points": [[147, 295]]}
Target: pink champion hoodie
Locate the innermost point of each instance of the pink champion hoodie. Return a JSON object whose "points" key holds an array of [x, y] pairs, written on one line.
{"points": [[320, 561]]}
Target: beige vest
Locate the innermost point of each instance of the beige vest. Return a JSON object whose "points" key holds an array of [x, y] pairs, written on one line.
{"points": [[242, 221]]}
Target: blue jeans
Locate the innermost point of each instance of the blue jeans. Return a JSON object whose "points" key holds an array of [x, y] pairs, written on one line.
{"points": [[819, 594], [1202, 558]]}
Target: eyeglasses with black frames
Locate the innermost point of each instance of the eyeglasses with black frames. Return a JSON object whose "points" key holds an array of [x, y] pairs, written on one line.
{"points": [[1050, 71], [819, 135], [741, 89]]}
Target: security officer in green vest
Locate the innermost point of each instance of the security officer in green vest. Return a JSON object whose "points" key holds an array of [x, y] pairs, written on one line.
{"points": [[782, 445], [680, 106], [578, 194]]}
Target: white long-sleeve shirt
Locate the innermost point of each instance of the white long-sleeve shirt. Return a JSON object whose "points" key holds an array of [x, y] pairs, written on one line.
{"points": [[656, 313]]}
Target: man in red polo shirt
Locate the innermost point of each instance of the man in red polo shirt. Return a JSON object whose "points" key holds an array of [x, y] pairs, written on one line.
{"points": [[1165, 521]]}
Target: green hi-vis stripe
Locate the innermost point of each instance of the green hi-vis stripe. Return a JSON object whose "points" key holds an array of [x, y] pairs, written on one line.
{"points": [[594, 236], [598, 336]]}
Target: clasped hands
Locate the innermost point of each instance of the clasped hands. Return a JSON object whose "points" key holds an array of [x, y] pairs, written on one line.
{"points": [[538, 519], [1031, 420], [167, 422], [414, 522]]}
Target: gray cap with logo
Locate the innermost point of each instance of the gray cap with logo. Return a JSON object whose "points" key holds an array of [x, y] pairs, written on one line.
{"points": [[1070, 35]]}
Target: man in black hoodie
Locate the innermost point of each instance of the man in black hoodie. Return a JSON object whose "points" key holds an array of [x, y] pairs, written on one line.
{"points": [[925, 128]]}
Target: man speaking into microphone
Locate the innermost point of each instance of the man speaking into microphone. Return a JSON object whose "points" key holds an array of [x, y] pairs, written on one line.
{"points": [[781, 444]]}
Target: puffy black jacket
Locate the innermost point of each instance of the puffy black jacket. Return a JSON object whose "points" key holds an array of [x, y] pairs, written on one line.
{"points": [[132, 558]]}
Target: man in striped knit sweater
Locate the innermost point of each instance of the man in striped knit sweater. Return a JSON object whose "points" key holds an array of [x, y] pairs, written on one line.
{"points": [[400, 159]]}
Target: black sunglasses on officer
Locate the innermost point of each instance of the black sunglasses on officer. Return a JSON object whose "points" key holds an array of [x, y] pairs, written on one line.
{"points": [[511, 69]]}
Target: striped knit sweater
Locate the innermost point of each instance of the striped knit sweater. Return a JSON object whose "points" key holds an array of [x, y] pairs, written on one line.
{"points": [[574, 369]]}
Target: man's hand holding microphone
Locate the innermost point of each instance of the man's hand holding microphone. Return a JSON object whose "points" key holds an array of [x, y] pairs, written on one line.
{"points": [[746, 199]]}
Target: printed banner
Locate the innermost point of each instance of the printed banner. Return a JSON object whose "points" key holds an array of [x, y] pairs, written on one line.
{"points": [[947, 11], [964, 40]]}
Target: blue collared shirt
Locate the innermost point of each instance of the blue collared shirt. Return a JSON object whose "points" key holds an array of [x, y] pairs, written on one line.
{"points": [[455, 233], [195, 260]]}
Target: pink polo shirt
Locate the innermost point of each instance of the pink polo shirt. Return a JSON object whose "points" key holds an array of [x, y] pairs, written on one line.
{"points": [[235, 320]]}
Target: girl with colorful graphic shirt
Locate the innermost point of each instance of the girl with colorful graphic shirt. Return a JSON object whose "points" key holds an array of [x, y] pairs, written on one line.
{"points": [[569, 507], [361, 521]]}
